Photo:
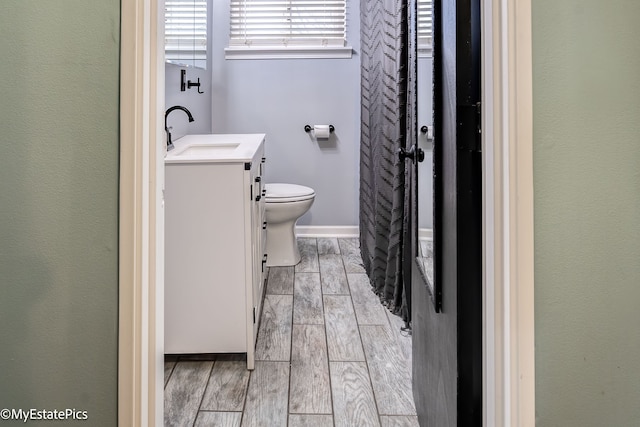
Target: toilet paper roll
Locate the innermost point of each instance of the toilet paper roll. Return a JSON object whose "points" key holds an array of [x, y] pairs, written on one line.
{"points": [[321, 131]]}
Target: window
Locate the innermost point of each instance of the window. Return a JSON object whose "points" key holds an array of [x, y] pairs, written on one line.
{"points": [[425, 26], [185, 29], [310, 28]]}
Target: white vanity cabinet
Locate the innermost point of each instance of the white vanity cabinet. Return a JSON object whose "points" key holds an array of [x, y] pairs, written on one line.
{"points": [[214, 244]]}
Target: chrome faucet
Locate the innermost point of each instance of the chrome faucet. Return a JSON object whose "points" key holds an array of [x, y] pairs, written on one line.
{"points": [[166, 129]]}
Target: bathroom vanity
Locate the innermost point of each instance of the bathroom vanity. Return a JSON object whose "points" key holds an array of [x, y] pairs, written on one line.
{"points": [[214, 244]]}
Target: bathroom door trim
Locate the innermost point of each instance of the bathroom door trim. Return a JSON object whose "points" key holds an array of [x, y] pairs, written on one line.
{"points": [[509, 378], [141, 217], [507, 129]]}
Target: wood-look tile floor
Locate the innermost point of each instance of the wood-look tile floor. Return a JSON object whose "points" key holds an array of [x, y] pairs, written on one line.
{"points": [[328, 354]]}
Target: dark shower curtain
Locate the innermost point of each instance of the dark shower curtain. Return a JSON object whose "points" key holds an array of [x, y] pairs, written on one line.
{"points": [[388, 114]]}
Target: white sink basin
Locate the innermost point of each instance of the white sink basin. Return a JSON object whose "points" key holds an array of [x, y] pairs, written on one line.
{"points": [[210, 148], [207, 150]]}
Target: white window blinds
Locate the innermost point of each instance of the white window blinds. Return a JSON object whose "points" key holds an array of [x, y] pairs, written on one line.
{"points": [[185, 28], [313, 23], [425, 25]]}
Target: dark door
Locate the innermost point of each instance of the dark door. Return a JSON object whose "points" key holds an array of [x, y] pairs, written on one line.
{"points": [[447, 307]]}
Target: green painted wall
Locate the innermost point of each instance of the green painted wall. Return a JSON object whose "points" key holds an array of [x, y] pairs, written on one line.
{"points": [[59, 206], [586, 85]]}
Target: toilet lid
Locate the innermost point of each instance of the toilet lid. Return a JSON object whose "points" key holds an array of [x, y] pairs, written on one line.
{"points": [[278, 192]]}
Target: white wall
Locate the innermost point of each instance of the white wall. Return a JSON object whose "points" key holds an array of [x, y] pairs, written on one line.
{"points": [[279, 97]]}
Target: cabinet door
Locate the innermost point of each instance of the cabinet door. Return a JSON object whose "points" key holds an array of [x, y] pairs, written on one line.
{"points": [[263, 232], [257, 245]]}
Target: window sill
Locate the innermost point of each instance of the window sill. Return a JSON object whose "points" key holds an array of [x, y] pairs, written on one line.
{"points": [[298, 52]]}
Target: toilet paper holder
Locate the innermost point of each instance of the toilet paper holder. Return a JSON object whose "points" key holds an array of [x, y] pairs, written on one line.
{"points": [[309, 128]]}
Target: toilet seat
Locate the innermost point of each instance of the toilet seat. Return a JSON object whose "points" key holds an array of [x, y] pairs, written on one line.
{"points": [[284, 193]]}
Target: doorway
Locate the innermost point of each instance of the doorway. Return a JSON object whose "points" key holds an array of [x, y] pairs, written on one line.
{"points": [[508, 223]]}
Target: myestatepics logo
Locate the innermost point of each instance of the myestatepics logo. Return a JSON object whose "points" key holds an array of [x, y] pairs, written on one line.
{"points": [[43, 414]]}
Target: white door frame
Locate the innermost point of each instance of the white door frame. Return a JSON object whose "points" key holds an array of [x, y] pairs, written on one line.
{"points": [[509, 380], [141, 236], [509, 354]]}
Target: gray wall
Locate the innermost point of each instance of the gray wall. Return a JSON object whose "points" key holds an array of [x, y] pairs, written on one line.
{"points": [[59, 206], [586, 88]]}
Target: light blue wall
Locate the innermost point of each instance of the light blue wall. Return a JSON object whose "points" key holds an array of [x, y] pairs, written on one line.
{"points": [[586, 117], [279, 97], [59, 206], [425, 117], [198, 104]]}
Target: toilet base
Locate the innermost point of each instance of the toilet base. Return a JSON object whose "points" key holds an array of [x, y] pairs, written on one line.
{"points": [[282, 246]]}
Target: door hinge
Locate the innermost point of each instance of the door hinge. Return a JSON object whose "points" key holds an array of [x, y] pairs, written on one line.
{"points": [[470, 127]]}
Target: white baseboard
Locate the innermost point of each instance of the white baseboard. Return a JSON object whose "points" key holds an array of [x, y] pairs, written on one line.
{"points": [[425, 234], [345, 231], [327, 231]]}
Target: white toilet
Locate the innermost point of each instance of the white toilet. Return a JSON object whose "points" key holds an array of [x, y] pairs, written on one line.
{"points": [[284, 204]]}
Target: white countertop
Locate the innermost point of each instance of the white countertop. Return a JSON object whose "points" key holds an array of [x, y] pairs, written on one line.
{"points": [[215, 148]]}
